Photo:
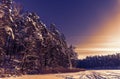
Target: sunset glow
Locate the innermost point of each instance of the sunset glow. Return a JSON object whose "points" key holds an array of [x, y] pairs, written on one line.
{"points": [[105, 40]]}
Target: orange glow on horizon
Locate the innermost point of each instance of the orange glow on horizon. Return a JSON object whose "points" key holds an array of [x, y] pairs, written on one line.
{"points": [[106, 40]]}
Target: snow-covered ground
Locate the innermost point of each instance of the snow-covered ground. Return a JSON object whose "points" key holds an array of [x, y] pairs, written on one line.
{"points": [[89, 74], [92, 74]]}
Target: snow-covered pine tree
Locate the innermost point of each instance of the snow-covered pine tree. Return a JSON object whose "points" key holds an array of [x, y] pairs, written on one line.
{"points": [[27, 45]]}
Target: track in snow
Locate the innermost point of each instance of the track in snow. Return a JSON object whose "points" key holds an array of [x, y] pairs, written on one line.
{"points": [[92, 74]]}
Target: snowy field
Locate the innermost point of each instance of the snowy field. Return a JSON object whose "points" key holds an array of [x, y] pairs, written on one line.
{"points": [[93, 74], [89, 74]]}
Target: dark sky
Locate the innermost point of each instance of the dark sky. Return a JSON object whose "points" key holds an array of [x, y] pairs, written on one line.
{"points": [[77, 19]]}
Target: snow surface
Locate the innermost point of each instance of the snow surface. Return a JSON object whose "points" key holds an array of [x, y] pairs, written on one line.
{"points": [[88, 74], [92, 74]]}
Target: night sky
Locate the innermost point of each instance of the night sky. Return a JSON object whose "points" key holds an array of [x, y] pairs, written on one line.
{"points": [[82, 21]]}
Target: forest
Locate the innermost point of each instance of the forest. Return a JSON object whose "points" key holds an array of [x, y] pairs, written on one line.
{"points": [[100, 62], [28, 46]]}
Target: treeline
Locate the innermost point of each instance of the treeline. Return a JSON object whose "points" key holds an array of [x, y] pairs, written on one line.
{"points": [[100, 62]]}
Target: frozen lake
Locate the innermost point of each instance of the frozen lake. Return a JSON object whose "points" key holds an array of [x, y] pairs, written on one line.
{"points": [[92, 74]]}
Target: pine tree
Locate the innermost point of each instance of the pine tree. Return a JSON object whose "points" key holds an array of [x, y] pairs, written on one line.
{"points": [[27, 45]]}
